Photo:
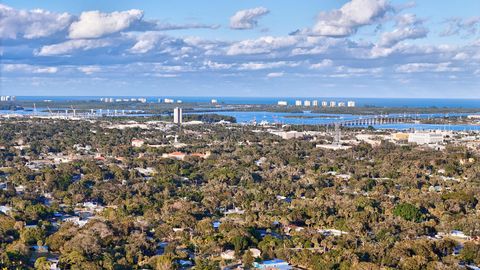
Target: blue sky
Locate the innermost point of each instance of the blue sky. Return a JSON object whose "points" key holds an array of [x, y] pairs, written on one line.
{"points": [[355, 48]]}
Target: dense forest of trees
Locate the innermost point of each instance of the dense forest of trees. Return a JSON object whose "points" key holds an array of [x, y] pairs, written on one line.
{"points": [[286, 193]]}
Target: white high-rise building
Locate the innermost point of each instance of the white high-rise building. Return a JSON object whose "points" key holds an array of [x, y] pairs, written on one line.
{"points": [[341, 104], [282, 103], [168, 100], [307, 103], [8, 98], [214, 101], [298, 103], [333, 104], [177, 115], [324, 104], [351, 104], [315, 103]]}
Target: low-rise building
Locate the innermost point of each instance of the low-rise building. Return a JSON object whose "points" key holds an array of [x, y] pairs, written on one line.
{"points": [[288, 134], [425, 137]]}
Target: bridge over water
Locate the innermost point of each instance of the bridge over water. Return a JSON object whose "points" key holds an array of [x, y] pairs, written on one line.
{"points": [[373, 120]]}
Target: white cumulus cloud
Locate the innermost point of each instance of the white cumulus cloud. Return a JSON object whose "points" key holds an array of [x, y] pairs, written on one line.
{"points": [[408, 27], [346, 20], [146, 42], [247, 18], [31, 24], [427, 67], [323, 64], [275, 74], [71, 46], [29, 69], [261, 45], [266, 65], [94, 24], [89, 69]]}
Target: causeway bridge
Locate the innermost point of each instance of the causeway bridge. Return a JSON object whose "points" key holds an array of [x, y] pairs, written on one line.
{"points": [[373, 120]]}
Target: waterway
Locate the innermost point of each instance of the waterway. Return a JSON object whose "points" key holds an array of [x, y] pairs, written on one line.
{"points": [[305, 118]]}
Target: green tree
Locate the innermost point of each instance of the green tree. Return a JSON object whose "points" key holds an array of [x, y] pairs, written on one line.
{"points": [[408, 212]]}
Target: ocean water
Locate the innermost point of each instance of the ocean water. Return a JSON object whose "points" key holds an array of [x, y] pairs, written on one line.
{"points": [[360, 102]]}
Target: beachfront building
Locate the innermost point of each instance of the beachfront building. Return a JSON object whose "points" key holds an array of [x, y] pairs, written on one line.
{"points": [[315, 103], [324, 104], [333, 104], [298, 103], [8, 98], [341, 104], [351, 104], [307, 103], [282, 103]]}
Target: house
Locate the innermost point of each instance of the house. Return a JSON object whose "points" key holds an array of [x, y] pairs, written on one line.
{"points": [[260, 161], [53, 263], [40, 249], [459, 234], [201, 155], [175, 155], [185, 263], [137, 143], [333, 232], [256, 253], [292, 228], [93, 206], [236, 210], [228, 255], [216, 225], [76, 220], [20, 189], [149, 171], [5, 209], [343, 176], [273, 264]]}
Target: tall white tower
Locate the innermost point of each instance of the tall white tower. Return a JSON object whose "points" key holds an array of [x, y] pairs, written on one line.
{"points": [[177, 115]]}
